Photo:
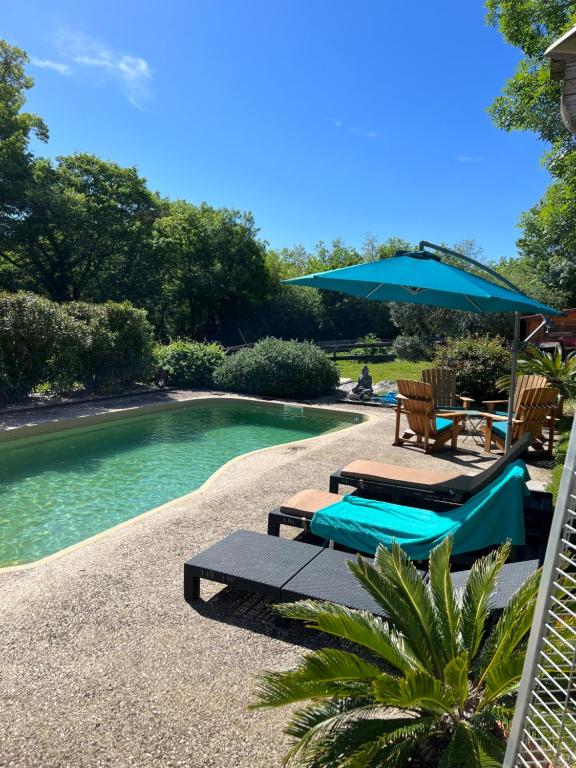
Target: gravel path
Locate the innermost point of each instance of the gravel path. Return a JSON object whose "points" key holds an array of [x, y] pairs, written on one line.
{"points": [[102, 663]]}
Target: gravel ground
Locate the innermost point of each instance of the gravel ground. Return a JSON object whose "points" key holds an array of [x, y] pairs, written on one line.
{"points": [[102, 663]]}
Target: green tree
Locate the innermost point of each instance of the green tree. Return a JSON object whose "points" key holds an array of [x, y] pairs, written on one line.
{"points": [[86, 232], [530, 101], [214, 268], [16, 129], [435, 683]]}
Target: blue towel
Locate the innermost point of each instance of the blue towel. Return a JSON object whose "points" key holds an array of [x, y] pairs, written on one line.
{"points": [[389, 398], [488, 518]]}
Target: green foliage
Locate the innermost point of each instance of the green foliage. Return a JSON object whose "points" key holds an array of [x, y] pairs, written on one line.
{"points": [[55, 345], [531, 101], [213, 267], [189, 363], [277, 368], [16, 129], [118, 346], [39, 341], [84, 231], [561, 374], [435, 684], [411, 348], [479, 362]]}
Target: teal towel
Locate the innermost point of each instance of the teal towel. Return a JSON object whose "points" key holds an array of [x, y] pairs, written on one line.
{"points": [[488, 518]]}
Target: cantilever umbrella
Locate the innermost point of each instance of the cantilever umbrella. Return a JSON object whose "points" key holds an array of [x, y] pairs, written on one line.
{"points": [[423, 278]]}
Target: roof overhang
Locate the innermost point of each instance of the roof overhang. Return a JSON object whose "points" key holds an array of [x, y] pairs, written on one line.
{"points": [[561, 50]]}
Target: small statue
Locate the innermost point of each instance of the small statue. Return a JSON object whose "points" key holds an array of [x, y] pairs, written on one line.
{"points": [[363, 389]]}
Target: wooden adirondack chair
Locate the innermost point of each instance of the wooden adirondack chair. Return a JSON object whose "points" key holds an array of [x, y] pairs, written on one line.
{"points": [[523, 381], [416, 402], [443, 383], [531, 415]]}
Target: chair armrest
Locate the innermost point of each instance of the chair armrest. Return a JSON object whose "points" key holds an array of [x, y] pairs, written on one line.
{"points": [[493, 402], [465, 399], [453, 415], [493, 417]]}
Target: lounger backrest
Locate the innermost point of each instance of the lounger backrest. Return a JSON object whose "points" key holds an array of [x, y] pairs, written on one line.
{"points": [[418, 405], [443, 383], [480, 481]]}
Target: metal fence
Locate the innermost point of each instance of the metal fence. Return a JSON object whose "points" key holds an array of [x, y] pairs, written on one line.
{"points": [[543, 733]]}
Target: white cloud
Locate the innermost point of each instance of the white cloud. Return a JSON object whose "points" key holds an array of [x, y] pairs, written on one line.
{"points": [[468, 159], [57, 66], [356, 131], [133, 73]]}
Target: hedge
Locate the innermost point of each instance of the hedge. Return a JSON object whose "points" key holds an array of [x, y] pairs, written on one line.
{"points": [[44, 343], [189, 363], [479, 361], [277, 368]]}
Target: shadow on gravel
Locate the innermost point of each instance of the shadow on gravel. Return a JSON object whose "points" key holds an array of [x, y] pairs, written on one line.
{"points": [[254, 613]]}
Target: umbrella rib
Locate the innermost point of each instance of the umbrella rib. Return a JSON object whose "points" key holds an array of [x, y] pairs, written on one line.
{"points": [[474, 304], [373, 290]]}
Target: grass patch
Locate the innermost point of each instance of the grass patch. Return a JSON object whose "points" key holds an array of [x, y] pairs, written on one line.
{"points": [[389, 371], [563, 430]]}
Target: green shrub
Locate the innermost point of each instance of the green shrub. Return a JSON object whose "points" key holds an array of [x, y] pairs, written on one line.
{"points": [[412, 348], [277, 368], [479, 361], [118, 346], [189, 363], [39, 341]]}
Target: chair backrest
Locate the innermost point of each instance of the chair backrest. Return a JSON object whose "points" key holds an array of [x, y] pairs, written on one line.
{"points": [[418, 405], [443, 383], [528, 381], [532, 411]]}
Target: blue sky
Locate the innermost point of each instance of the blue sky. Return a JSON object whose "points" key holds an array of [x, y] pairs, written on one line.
{"points": [[325, 118]]}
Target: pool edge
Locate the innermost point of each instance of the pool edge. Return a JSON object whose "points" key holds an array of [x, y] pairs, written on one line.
{"points": [[126, 412]]}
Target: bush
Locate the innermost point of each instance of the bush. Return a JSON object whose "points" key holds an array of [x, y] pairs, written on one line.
{"points": [[118, 346], [479, 361], [413, 348], [39, 341], [277, 368], [189, 363]]}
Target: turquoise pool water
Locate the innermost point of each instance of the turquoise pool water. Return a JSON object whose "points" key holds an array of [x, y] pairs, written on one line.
{"points": [[61, 488]]}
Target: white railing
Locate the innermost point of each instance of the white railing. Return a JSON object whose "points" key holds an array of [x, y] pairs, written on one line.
{"points": [[543, 733]]}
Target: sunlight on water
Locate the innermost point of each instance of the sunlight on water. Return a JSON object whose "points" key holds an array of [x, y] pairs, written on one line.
{"points": [[56, 491]]}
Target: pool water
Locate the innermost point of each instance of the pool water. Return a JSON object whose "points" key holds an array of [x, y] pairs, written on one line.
{"points": [[61, 488]]}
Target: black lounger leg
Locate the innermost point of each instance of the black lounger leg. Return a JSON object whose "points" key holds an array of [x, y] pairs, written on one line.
{"points": [[191, 585], [273, 524], [334, 484]]}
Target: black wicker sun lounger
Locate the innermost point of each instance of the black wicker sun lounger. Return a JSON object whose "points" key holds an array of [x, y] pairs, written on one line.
{"points": [[288, 570]]}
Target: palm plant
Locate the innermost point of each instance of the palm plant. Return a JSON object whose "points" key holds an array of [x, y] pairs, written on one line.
{"points": [[560, 373], [440, 686]]}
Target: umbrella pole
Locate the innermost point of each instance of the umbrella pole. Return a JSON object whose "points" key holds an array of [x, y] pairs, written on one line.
{"points": [[515, 350]]}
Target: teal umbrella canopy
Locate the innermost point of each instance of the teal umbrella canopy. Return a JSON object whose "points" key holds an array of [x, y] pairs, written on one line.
{"points": [[422, 278]]}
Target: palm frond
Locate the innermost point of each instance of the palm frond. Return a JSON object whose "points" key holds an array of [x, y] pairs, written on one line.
{"points": [[456, 675], [359, 627], [446, 609], [476, 597], [465, 751], [503, 679], [415, 691], [395, 584], [277, 689], [512, 627]]}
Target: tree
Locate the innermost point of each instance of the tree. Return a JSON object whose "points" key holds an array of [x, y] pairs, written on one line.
{"points": [[16, 128], [530, 99], [86, 231], [214, 268], [439, 688]]}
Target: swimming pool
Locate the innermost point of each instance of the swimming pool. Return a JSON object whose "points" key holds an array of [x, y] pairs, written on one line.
{"points": [[59, 488]]}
